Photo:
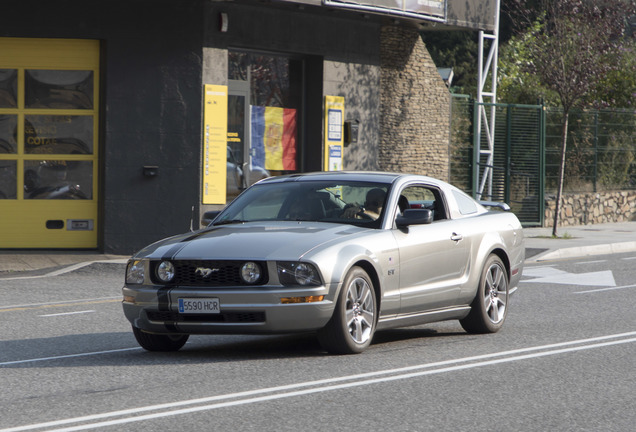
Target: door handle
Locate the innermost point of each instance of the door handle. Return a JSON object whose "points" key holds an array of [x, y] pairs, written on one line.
{"points": [[456, 237]]}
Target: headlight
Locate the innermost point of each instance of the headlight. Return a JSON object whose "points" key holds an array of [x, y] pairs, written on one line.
{"points": [[135, 272], [165, 271], [251, 272], [298, 273]]}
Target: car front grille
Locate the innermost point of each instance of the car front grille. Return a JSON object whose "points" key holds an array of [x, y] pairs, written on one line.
{"points": [[209, 273], [223, 317]]}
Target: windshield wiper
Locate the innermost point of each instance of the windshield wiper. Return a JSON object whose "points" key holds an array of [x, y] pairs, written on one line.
{"points": [[229, 222]]}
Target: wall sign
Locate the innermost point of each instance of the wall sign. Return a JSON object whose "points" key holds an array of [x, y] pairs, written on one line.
{"points": [[214, 145], [334, 132]]}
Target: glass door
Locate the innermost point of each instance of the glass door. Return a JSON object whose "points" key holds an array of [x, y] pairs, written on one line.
{"points": [[238, 172]]}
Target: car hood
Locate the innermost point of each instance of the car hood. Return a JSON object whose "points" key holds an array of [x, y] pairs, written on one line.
{"points": [[256, 241]]}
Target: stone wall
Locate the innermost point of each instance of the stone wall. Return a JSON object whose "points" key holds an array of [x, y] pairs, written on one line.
{"points": [[415, 107], [592, 208]]}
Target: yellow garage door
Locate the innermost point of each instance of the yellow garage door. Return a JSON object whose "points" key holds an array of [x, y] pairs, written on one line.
{"points": [[48, 143]]}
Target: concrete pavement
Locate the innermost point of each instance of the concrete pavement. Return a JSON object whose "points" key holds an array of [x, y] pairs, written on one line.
{"points": [[540, 246], [578, 241]]}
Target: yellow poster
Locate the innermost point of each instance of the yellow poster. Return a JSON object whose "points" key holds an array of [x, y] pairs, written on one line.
{"points": [[334, 132], [214, 144]]}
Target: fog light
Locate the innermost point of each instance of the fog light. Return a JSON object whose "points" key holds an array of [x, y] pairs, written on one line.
{"points": [[308, 299], [129, 299], [250, 272], [165, 271]]}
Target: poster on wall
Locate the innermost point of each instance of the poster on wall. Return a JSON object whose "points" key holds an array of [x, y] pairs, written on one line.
{"points": [[334, 132], [214, 145]]}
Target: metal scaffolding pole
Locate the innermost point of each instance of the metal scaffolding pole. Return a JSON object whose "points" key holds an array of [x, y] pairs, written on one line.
{"points": [[487, 95]]}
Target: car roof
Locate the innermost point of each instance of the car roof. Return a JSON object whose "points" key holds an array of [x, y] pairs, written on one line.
{"points": [[363, 176]]}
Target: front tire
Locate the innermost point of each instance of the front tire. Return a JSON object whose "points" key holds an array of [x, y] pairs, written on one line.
{"points": [[490, 306], [351, 328], [159, 342]]}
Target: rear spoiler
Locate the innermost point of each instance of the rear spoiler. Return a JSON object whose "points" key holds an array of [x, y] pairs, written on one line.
{"points": [[500, 205]]}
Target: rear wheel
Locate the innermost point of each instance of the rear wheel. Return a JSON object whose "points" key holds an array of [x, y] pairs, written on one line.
{"points": [[159, 342], [352, 325], [490, 306]]}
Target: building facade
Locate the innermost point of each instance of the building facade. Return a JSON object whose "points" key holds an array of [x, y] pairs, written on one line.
{"points": [[103, 106]]}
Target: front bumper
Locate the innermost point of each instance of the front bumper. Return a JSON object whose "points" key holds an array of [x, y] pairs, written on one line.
{"points": [[242, 311]]}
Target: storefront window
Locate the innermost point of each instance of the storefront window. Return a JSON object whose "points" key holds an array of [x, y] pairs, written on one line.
{"points": [[58, 179], [8, 130], [275, 99], [60, 89], [58, 134], [8, 176], [8, 88]]}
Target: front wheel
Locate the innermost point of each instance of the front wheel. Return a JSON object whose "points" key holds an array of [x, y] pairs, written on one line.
{"points": [[490, 306], [351, 328], [159, 342]]}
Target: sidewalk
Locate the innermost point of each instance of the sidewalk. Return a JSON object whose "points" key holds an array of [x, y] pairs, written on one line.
{"points": [[578, 241], [574, 242], [51, 261]]}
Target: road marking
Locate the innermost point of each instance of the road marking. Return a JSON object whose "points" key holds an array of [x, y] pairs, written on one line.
{"points": [[549, 275], [59, 304], [590, 262], [629, 258], [605, 289], [68, 313], [17, 362], [330, 384]]}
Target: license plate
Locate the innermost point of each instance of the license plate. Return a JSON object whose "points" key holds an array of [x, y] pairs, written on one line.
{"points": [[199, 306]]}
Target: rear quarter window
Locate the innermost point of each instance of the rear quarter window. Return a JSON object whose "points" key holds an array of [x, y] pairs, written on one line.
{"points": [[465, 204]]}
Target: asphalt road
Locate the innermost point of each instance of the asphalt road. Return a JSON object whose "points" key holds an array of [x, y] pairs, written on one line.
{"points": [[564, 361]]}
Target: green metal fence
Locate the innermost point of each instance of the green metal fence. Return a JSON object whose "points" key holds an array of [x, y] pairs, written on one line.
{"points": [[600, 151], [517, 168]]}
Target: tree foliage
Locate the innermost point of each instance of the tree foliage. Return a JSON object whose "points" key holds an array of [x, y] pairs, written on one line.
{"points": [[456, 49], [574, 48], [577, 49], [515, 83]]}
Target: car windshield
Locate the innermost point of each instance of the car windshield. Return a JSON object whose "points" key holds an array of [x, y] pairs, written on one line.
{"points": [[356, 203]]}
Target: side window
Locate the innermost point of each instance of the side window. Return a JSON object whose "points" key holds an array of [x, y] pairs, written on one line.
{"points": [[465, 204], [423, 197]]}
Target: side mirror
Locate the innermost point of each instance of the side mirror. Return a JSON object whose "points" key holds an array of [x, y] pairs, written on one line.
{"points": [[209, 216], [414, 217]]}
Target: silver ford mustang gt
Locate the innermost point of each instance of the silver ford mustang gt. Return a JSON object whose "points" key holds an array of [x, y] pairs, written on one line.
{"points": [[341, 253]]}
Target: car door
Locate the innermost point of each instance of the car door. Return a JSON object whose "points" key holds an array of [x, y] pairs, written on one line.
{"points": [[433, 258]]}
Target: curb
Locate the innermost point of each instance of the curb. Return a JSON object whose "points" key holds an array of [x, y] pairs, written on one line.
{"points": [[581, 251]]}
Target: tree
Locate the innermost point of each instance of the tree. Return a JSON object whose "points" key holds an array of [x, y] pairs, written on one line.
{"points": [[456, 49], [515, 84], [573, 39]]}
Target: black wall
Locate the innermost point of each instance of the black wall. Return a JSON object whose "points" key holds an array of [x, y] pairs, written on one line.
{"points": [[151, 90], [150, 105]]}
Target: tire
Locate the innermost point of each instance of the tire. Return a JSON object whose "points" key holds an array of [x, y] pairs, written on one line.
{"points": [[490, 306], [351, 328], [159, 342]]}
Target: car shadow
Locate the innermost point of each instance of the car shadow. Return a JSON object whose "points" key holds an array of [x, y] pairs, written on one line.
{"points": [[120, 348], [411, 333]]}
